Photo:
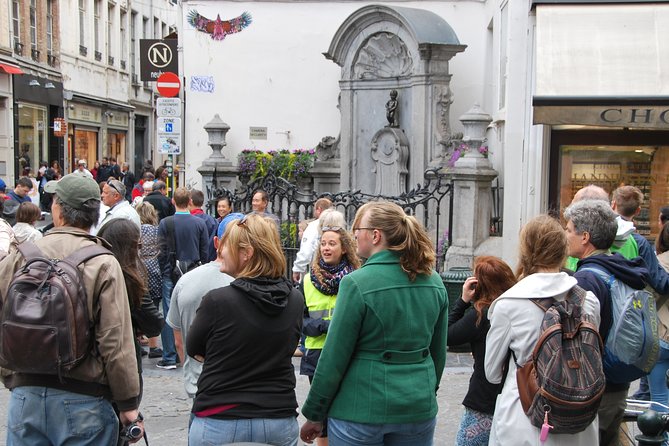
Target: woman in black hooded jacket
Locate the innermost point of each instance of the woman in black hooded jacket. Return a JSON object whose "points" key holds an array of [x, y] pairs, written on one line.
{"points": [[246, 334]]}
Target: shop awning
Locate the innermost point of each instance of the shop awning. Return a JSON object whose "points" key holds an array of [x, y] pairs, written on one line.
{"points": [[10, 69]]}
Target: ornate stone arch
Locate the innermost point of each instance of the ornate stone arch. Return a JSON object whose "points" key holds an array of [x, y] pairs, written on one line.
{"points": [[380, 48]]}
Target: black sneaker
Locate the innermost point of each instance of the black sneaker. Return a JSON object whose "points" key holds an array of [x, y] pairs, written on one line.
{"points": [[162, 364], [155, 352]]}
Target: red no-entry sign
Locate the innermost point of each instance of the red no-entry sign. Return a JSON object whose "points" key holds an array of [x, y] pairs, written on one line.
{"points": [[168, 84]]}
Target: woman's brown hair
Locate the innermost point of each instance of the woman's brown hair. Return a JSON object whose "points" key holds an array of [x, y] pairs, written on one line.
{"points": [[404, 235], [662, 240], [28, 213], [543, 245], [493, 277], [123, 236], [260, 234]]}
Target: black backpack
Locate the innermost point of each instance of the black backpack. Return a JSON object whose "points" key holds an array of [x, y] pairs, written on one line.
{"points": [[44, 325]]}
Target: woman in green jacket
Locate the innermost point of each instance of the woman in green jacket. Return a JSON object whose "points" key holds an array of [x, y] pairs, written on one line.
{"points": [[380, 368]]}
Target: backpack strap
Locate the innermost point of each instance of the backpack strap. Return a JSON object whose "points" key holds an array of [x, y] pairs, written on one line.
{"points": [[577, 295], [608, 278], [86, 253], [543, 303], [30, 251]]}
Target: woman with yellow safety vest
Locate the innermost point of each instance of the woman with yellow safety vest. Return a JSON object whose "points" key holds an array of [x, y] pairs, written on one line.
{"points": [[336, 257]]}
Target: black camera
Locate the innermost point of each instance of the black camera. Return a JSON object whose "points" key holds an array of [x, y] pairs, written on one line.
{"points": [[131, 432]]}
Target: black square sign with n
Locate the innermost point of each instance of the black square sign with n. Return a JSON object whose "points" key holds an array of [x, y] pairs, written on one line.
{"points": [[157, 57]]}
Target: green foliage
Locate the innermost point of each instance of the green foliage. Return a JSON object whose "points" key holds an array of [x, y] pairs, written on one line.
{"points": [[254, 164], [289, 235]]}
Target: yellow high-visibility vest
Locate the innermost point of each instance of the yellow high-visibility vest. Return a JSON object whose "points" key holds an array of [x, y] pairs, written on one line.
{"points": [[320, 306]]}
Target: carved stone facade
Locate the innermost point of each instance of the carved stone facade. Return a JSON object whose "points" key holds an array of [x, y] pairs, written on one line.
{"points": [[384, 55], [383, 48], [390, 152]]}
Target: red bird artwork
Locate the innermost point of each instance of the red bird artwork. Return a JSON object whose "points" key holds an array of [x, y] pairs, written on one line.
{"points": [[218, 28]]}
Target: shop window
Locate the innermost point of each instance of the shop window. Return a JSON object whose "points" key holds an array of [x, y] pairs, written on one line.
{"points": [[116, 146], [32, 138], [610, 165], [85, 147]]}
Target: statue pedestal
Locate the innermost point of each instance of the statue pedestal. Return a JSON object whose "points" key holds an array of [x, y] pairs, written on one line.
{"points": [[472, 201], [390, 153]]}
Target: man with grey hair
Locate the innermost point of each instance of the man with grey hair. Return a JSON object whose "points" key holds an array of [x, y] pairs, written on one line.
{"points": [[591, 230], [113, 196], [42, 407], [159, 200]]}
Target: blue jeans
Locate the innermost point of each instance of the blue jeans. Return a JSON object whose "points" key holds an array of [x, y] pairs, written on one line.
{"points": [[167, 335], [348, 433], [659, 392], [41, 416], [208, 431]]}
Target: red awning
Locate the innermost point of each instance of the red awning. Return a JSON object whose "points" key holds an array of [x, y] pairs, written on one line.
{"points": [[10, 69]]}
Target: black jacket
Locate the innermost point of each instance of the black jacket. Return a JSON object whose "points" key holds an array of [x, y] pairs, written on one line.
{"points": [[247, 333], [161, 203], [482, 394]]}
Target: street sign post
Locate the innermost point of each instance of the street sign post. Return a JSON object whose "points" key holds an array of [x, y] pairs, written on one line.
{"points": [[168, 85], [169, 135], [168, 107]]}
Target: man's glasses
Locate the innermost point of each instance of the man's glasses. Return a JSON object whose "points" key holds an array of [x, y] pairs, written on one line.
{"points": [[116, 185]]}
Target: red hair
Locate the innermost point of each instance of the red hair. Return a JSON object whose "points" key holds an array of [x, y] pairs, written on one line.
{"points": [[494, 277]]}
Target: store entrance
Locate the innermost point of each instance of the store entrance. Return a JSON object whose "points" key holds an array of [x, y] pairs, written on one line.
{"points": [[612, 158]]}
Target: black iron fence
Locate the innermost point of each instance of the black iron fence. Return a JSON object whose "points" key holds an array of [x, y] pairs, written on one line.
{"points": [[430, 202]]}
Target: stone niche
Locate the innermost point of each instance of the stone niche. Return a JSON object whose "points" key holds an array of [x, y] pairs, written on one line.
{"points": [[383, 48]]}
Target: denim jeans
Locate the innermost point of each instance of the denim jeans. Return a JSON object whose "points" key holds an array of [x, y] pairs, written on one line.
{"points": [[167, 335], [659, 393], [41, 416], [348, 433], [208, 431]]}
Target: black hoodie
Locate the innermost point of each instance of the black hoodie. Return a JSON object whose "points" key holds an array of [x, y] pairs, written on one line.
{"points": [[248, 332], [631, 272]]}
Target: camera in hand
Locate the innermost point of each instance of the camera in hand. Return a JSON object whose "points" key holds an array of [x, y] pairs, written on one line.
{"points": [[131, 432]]}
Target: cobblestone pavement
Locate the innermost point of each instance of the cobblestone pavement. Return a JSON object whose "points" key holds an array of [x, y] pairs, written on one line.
{"points": [[166, 406]]}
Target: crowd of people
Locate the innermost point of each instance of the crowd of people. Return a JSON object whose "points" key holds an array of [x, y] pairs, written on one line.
{"points": [[364, 308]]}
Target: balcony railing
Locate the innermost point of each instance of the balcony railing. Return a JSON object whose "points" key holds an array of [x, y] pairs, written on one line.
{"points": [[83, 50], [110, 60], [18, 48], [51, 59], [98, 56], [34, 53], [123, 64]]}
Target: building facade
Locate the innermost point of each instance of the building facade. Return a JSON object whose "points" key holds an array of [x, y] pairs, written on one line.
{"points": [[76, 60], [38, 88]]}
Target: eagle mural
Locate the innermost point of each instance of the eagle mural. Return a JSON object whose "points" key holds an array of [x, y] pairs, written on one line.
{"points": [[218, 28]]}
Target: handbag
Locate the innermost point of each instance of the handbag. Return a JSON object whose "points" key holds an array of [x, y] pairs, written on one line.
{"points": [[146, 318]]}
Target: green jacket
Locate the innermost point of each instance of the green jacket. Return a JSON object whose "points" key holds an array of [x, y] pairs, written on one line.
{"points": [[629, 250], [386, 347]]}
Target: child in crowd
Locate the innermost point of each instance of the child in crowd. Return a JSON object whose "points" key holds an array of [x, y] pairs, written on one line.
{"points": [[26, 216]]}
